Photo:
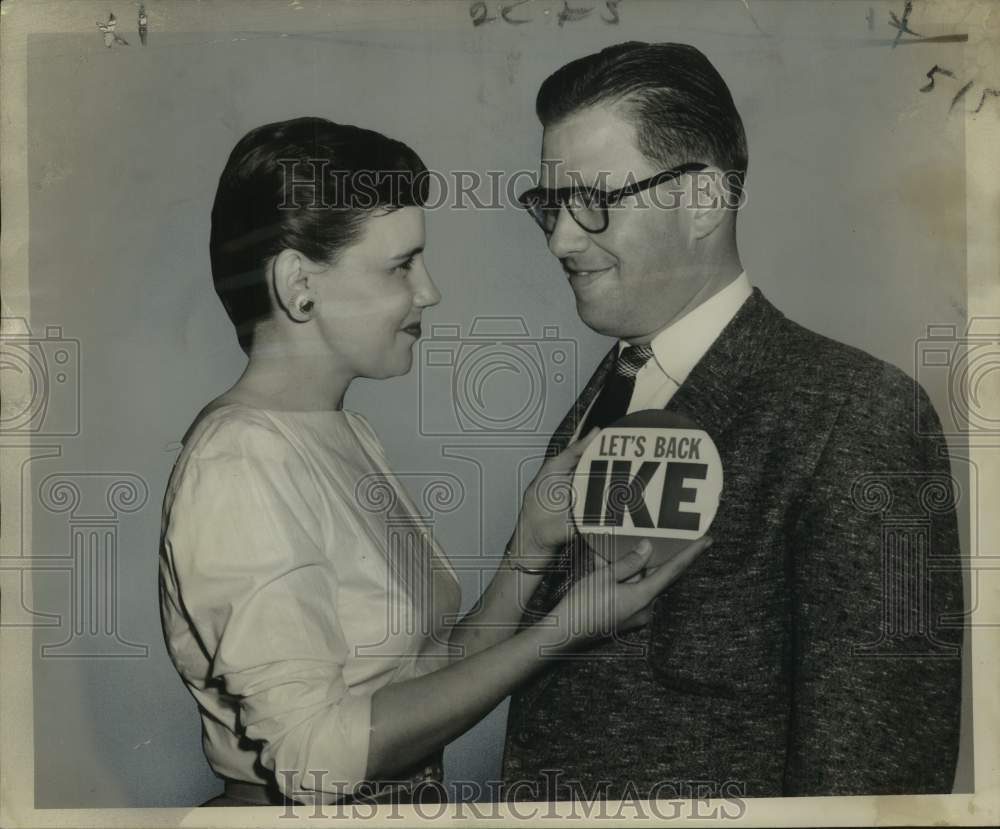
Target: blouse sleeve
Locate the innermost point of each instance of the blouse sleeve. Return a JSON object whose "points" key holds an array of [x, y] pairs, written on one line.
{"points": [[260, 592]]}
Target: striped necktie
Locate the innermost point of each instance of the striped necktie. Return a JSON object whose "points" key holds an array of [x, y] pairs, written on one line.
{"points": [[576, 559], [612, 402]]}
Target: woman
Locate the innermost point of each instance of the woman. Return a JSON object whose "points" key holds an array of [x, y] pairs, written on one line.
{"points": [[281, 588]]}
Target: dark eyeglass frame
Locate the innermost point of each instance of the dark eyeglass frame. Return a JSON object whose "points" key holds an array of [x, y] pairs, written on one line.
{"points": [[544, 204]]}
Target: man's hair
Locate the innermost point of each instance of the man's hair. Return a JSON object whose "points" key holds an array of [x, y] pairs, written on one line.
{"points": [[681, 108], [262, 205]]}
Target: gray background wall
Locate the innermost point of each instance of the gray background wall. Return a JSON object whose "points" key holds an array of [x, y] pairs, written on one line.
{"points": [[854, 227]]}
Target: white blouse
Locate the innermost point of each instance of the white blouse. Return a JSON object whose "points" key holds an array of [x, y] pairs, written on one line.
{"points": [[295, 580]]}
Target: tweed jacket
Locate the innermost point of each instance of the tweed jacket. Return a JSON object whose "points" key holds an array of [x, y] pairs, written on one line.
{"points": [[815, 648]]}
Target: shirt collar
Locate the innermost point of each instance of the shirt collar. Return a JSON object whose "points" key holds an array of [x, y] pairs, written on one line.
{"points": [[678, 347]]}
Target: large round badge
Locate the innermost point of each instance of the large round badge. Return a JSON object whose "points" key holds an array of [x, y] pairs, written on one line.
{"points": [[653, 474]]}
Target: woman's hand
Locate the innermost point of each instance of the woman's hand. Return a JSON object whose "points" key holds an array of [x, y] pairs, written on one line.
{"points": [[619, 596], [545, 522]]}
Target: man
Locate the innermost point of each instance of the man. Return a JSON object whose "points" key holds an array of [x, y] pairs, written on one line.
{"points": [[810, 651]]}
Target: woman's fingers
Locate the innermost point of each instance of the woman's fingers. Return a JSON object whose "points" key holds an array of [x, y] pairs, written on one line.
{"points": [[637, 620], [649, 583], [584, 440], [632, 562], [570, 456], [658, 580], [548, 499]]}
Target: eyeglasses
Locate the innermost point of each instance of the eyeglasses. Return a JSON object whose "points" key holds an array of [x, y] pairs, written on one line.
{"points": [[589, 205]]}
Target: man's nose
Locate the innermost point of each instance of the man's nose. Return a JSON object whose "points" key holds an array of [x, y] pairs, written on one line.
{"points": [[567, 236]]}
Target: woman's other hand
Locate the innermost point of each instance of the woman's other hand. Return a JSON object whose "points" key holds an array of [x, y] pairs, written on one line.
{"points": [[618, 596]]}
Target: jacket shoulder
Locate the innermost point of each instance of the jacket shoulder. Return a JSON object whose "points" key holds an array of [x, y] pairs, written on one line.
{"points": [[804, 361]]}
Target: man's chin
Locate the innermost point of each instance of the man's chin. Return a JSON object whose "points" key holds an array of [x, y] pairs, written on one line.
{"points": [[597, 317]]}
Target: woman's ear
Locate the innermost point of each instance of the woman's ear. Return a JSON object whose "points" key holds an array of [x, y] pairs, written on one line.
{"points": [[292, 290]]}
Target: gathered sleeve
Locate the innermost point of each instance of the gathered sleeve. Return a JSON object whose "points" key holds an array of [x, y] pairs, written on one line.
{"points": [[246, 545]]}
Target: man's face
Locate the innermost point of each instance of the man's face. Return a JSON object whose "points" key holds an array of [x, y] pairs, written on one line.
{"points": [[640, 274]]}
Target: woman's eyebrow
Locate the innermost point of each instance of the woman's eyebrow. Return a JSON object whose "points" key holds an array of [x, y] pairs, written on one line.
{"points": [[412, 252]]}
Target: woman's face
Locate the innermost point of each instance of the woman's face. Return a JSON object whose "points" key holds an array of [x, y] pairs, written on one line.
{"points": [[369, 303]]}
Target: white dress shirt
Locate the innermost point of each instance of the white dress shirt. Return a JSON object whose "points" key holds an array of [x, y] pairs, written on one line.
{"points": [[678, 347], [295, 581]]}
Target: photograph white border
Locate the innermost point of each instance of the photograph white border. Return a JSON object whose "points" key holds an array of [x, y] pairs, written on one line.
{"points": [[979, 18]]}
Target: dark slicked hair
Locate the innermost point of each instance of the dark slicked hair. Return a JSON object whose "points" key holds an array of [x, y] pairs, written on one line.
{"points": [[262, 206], [681, 108]]}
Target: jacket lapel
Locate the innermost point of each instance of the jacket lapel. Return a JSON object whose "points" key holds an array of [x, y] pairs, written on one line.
{"points": [[717, 388], [565, 431]]}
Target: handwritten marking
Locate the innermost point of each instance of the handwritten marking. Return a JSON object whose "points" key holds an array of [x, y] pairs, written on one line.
{"points": [[572, 14], [904, 24], [108, 30], [516, 21], [994, 92], [612, 6], [935, 39], [940, 70], [958, 97], [479, 12], [935, 70]]}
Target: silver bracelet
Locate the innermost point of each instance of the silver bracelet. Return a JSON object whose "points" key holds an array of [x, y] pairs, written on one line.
{"points": [[516, 565]]}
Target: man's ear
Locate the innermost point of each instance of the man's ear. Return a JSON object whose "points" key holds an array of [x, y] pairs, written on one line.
{"points": [[292, 284], [709, 201]]}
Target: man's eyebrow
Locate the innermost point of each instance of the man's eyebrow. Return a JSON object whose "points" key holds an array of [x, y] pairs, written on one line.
{"points": [[411, 252]]}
